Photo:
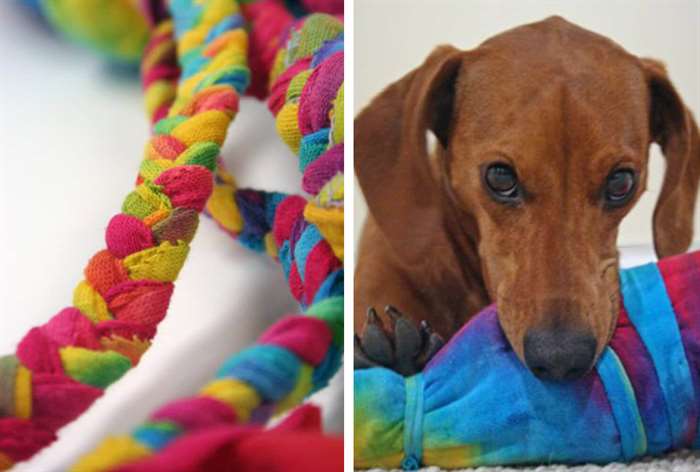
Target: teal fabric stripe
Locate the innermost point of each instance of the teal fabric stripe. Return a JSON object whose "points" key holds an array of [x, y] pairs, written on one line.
{"points": [[652, 315], [623, 403], [413, 424], [308, 240], [157, 435]]}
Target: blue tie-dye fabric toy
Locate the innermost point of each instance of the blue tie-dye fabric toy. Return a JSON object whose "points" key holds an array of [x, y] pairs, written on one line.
{"points": [[476, 404]]}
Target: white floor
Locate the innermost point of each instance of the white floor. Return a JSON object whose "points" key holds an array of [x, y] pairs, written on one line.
{"points": [[72, 132]]}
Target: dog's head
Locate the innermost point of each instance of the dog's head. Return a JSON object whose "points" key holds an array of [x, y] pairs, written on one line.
{"points": [[543, 139]]}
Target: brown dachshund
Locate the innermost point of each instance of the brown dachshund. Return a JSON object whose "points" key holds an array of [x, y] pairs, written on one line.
{"points": [[543, 136]]}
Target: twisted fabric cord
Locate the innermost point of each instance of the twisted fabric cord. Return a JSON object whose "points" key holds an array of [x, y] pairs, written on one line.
{"points": [[160, 71], [61, 367], [306, 97], [299, 354], [247, 214], [250, 212]]}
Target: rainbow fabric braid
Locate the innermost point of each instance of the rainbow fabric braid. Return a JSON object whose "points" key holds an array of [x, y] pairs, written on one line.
{"points": [[246, 214], [298, 354], [306, 97], [61, 367], [160, 71]]}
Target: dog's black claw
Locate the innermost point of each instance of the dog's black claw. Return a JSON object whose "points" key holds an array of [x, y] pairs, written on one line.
{"points": [[375, 342], [393, 312], [434, 344], [372, 317], [407, 342], [404, 347], [425, 330]]}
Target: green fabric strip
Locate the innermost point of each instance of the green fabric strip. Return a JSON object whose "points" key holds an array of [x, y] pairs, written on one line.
{"points": [[8, 374]]}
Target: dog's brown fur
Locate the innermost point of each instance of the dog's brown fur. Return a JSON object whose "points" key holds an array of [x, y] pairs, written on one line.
{"points": [[564, 107]]}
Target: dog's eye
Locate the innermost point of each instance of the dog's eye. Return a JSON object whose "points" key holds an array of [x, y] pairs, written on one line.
{"points": [[502, 182], [619, 186]]}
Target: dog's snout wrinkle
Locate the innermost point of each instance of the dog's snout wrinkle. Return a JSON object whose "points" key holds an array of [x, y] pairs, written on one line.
{"points": [[559, 354]]}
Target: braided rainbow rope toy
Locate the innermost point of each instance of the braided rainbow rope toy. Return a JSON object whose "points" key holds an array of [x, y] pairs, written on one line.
{"points": [[201, 56]]}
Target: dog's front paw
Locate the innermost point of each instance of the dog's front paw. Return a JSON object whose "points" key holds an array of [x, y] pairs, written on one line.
{"points": [[401, 346]]}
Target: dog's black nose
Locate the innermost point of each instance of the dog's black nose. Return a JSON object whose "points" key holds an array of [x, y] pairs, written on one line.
{"points": [[556, 354]]}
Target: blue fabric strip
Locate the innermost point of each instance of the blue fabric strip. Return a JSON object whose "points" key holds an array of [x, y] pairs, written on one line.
{"points": [[272, 370], [285, 257], [306, 243], [156, 438], [652, 315], [333, 286], [623, 403], [227, 24], [413, 424]]}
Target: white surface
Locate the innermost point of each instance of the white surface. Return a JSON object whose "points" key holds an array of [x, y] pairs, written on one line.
{"points": [[631, 256], [394, 36], [72, 131]]}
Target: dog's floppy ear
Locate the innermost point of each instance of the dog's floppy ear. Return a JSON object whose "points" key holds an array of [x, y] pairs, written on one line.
{"points": [[391, 160], [675, 130]]}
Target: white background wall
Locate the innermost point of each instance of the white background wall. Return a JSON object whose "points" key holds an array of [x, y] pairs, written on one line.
{"points": [[394, 36], [72, 132]]}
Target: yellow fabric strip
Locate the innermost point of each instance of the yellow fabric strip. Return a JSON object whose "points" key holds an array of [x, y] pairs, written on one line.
{"points": [[288, 126], [23, 393], [208, 125], [240, 396], [301, 390], [222, 207], [329, 222], [271, 246], [90, 303], [162, 263], [158, 93], [337, 117]]}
